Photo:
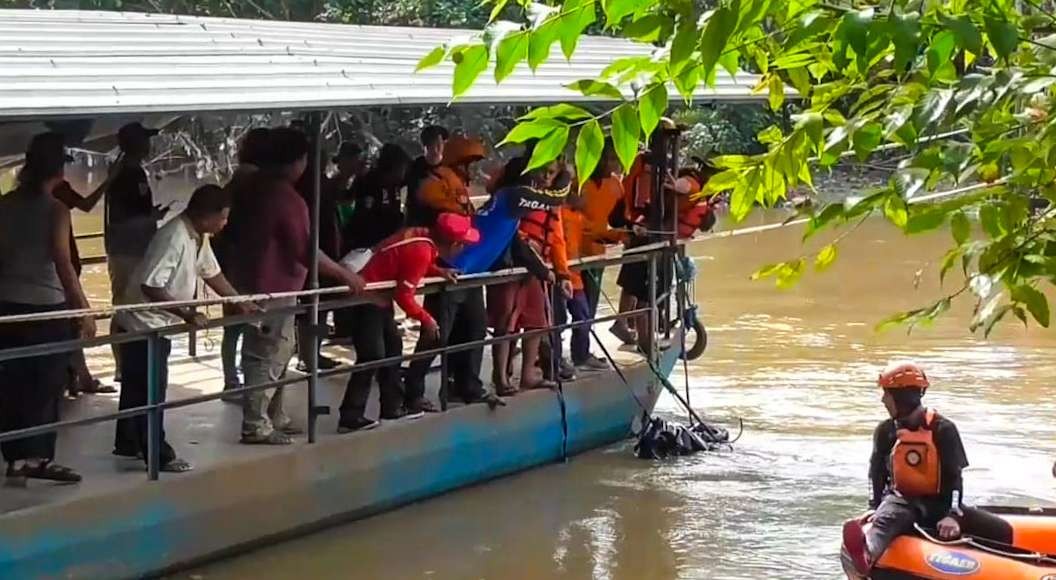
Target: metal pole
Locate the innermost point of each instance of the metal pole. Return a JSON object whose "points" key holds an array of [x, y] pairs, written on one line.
{"points": [[445, 371], [154, 415], [653, 311], [314, 333], [192, 339]]}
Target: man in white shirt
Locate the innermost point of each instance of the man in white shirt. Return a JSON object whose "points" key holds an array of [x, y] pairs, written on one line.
{"points": [[177, 256]]}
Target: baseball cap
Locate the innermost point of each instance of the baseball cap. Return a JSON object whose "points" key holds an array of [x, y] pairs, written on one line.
{"points": [[457, 228], [134, 132]]}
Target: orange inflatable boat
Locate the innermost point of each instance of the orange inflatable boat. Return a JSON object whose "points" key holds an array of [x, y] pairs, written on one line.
{"points": [[1031, 555]]}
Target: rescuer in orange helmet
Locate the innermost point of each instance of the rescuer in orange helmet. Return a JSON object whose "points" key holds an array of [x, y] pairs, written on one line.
{"points": [[915, 471]]}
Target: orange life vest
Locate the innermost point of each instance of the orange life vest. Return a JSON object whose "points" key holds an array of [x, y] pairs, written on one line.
{"points": [[915, 468], [638, 189], [689, 221]]}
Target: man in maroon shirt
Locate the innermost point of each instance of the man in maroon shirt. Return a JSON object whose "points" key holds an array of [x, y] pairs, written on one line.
{"points": [[272, 252], [406, 258]]}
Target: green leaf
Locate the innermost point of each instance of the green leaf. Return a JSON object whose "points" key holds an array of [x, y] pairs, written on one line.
{"points": [[744, 194], [776, 92], [1035, 302], [825, 258], [767, 271], [925, 220], [730, 61], [896, 211], [827, 215], [770, 135], [528, 130], [990, 218], [435, 57], [578, 15], [625, 133], [968, 36], [511, 51], [934, 106], [905, 34], [686, 82], [561, 111], [683, 44], [716, 35], [591, 88], [617, 10], [589, 147], [651, 107], [722, 181], [548, 148], [470, 62], [496, 10], [940, 53], [540, 42], [866, 139], [960, 227], [1003, 36], [648, 28], [790, 273]]}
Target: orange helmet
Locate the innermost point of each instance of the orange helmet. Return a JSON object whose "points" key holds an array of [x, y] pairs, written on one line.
{"points": [[903, 376]]}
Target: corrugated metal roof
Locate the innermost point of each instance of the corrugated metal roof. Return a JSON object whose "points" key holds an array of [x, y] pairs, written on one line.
{"points": [[77, 63]]}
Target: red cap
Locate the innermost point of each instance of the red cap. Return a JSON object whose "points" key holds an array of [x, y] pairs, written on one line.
{"points": [[457, 228]]}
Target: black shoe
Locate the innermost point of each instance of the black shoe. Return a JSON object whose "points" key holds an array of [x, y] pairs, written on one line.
{"points": [[325, 364], [403, 414], [423, 405], [566, 371], [356, 425]]}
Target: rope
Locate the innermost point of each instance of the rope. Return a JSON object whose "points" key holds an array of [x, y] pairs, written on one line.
{"points": [[555, 369], [970, 541]]}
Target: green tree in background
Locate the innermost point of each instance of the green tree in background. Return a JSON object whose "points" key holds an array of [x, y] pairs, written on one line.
{"points": [[965, 87]]}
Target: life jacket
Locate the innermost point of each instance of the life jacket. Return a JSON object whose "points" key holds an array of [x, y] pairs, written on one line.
{"points": [[537, 229], [638, 189], [693, 213], [915, 466]]}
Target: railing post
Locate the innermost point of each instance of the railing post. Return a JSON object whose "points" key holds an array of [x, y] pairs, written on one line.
{"points": [[654, 311], [192, 338], [315, 134], [444, 370], [153, 399]]}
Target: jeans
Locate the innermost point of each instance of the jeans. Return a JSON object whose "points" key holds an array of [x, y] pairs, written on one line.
{"points": [[229, 354], [579, 309], [375, 338], [896, 515], [462, 319], [266, 352], [592, 279], [130, 436]]}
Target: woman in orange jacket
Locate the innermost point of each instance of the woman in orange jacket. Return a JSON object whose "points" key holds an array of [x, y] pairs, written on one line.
{"points": [[600, 197], [574, 220]]}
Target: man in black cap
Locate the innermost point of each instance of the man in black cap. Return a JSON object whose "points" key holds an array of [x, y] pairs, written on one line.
{"points": [[131, 218]]}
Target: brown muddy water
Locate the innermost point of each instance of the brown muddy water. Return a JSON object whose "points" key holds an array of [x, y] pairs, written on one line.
{"points": [[798, 366]]}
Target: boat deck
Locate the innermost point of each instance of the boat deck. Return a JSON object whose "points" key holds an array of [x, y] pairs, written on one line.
{"points": [[206, 434]]}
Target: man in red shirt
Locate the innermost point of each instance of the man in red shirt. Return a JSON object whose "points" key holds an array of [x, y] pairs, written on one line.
{"points": [[271, 252], [406, 258]]}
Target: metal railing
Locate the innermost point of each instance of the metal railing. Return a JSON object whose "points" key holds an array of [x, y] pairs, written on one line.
{"points": [[156, 404]]}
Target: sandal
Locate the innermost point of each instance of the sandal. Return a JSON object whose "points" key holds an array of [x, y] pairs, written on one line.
{"points": [[506, 390], [290, 429], [95, 387], [543, 384], [177, 465], [45, 470], [273, 438]]}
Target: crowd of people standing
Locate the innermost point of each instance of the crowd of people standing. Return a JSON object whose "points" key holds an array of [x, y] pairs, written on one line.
{"points": [[410, 218]]}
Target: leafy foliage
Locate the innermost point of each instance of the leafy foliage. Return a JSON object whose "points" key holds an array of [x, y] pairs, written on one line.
{"points": [[966, 89]]}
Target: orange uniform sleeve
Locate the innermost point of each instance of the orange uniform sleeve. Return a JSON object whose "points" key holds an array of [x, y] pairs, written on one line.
{"points": [[558, 248]]}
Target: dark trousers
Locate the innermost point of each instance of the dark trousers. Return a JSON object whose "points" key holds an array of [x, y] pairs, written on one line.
{"points": [[896, 515], [31, 388], [592, 288], [130, 437], [578, 308], [462, 319], [375, 337]]}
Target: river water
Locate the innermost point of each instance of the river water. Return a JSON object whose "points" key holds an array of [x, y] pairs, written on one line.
{"points": [[799, 368]]}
